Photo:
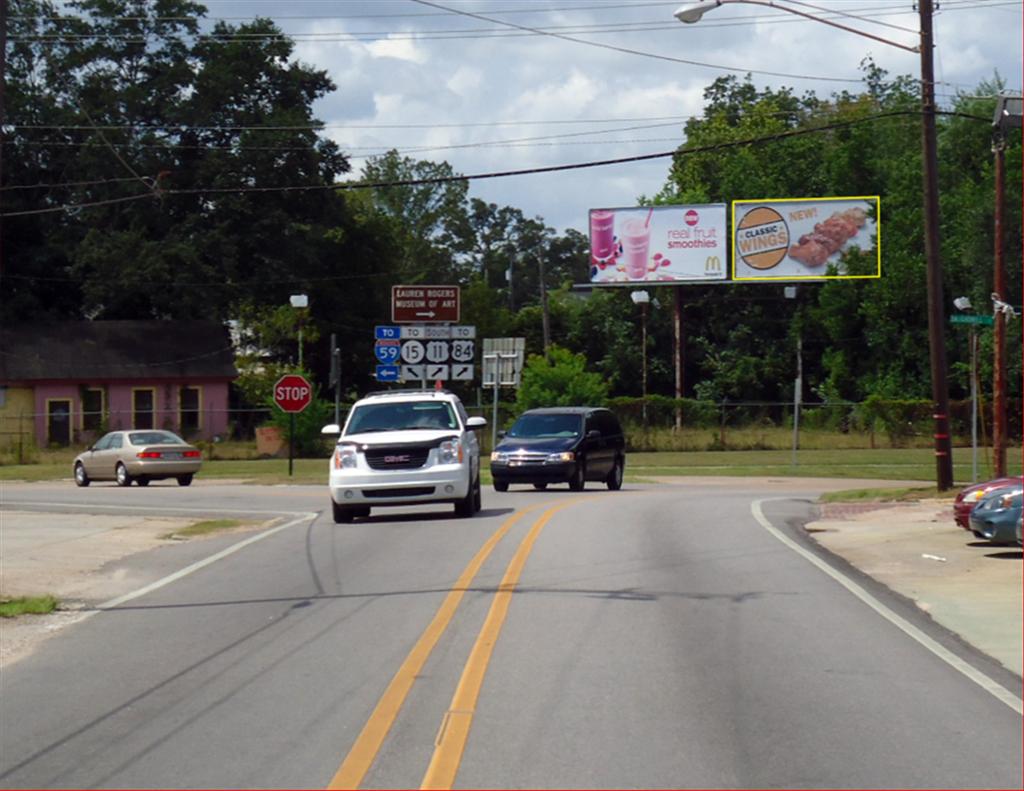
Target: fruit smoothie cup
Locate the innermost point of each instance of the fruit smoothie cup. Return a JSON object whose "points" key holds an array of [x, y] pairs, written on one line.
{"points": [[602, 233], [636, 240]]}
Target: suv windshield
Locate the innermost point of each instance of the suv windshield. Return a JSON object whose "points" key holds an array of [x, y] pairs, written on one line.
{"points": [[427, 415], [537, 426]]}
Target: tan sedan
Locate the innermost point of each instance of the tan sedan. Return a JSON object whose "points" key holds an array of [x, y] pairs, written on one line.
{"points": [[140, 455]]}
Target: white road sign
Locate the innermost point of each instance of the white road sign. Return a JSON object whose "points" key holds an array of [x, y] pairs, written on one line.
{"points": [[462, 372], [413, 352], [413, 373], [436, 371], [463, 351], [437, 351]]}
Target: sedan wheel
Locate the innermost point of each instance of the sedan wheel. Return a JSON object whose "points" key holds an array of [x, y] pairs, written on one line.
{"points": [[81, 476], [123, 478]]}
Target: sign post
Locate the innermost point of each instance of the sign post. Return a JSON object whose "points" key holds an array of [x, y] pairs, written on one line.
{"points": [[292, 394]]}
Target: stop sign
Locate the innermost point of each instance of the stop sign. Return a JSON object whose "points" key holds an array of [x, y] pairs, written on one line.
{"points": [[292, 393]]}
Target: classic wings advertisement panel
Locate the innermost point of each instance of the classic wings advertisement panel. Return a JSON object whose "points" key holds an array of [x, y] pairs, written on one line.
{"points": [[806, 239]]}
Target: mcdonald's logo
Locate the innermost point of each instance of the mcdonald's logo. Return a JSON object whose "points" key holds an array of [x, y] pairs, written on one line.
{"points": [[712, 264]]}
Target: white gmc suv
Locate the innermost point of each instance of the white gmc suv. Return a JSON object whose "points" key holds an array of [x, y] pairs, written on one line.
{"points": [[405, 447]]}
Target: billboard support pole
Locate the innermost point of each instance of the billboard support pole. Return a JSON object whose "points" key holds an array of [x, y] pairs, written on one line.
{"points": [[677, 338]]}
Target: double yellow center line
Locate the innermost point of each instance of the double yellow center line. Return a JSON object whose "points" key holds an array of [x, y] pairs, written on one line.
{"points": [[454, 730]]}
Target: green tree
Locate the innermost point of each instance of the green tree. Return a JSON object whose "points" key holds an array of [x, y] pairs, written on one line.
{"points": [[560, 379]]}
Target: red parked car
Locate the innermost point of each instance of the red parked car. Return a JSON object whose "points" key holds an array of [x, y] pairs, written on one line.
{"points": [[969, 496]]}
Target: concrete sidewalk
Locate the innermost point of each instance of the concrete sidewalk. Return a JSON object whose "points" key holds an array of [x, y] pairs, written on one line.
{"points": [[969, 586]]}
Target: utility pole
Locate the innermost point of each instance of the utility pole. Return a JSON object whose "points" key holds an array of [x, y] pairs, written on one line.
{"points": [[932, 251], [3, 115], [999, 329], [545, 318]]}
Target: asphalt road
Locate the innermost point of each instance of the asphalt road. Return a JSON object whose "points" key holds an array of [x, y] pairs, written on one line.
{"points": [[657, 637]]}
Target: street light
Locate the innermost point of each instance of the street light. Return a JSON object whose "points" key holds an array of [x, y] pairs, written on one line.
{"points": [[692, 12], [642, 298], [299, 302]]}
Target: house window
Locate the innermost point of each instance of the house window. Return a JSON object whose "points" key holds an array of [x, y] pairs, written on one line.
{"points": [[92, 409], [142, 408], [188, 418]]}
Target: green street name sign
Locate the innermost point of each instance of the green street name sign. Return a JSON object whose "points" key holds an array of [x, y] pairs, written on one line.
{"points": [[971, 318]]}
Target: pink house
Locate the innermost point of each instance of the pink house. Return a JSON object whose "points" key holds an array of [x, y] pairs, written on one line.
{"points": [[67, 383]]}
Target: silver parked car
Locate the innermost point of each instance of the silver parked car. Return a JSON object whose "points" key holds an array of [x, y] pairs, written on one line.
{"points": [[140, 455]]}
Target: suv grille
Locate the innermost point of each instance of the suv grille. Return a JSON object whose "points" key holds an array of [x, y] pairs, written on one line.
{"points": [[397, 458]]}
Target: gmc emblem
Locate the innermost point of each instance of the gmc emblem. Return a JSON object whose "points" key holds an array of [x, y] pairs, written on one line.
{"points": [[396, 459]]}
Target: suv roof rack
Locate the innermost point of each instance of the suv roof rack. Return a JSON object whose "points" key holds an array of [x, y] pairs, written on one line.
{"points": [[409, 391]]}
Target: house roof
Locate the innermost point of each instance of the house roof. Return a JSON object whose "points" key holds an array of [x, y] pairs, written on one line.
{"points": [[93, 350]]}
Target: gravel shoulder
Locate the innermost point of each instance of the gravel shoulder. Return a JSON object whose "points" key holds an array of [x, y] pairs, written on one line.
{"points": [[77, 558]]}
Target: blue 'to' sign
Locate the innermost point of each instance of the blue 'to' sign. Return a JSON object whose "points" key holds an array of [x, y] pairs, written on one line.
{"points": [[387, 333], [387, 353]]}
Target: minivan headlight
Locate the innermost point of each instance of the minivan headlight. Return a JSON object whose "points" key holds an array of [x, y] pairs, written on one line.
{"points": [[566, 455], [500, 456], [345, 457]]}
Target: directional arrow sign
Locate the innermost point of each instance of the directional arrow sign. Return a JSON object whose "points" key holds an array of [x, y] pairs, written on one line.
{"points": [[462, 372], [425, 303], [437, 371], [387, 373]]}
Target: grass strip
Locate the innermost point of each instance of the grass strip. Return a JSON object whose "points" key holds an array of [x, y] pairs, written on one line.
{"points": [[27, 605]]}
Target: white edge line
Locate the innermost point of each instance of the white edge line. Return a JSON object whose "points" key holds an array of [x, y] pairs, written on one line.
{"points": [[199, 564], [77, 507], [943, 653]]}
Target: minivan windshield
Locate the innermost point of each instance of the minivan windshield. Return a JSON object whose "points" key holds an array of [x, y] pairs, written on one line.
{"points": [[403, 416], [554, 425]]}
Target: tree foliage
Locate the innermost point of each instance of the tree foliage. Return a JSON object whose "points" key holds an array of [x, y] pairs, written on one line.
{"points": [[153, 172]]}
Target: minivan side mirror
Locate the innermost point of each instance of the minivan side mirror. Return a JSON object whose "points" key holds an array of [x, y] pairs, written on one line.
{"points": [[331, 428], [593, 434]]}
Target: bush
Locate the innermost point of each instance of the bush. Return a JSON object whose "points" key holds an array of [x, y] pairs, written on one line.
{"points": [[560, 379], [309, 442]]}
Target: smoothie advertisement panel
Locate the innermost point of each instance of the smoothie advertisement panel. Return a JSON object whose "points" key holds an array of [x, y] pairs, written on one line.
{"points": [[658, 244], [806, 239]]}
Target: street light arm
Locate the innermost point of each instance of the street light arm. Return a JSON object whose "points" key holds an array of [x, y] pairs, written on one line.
{"points": [[693, 13]]}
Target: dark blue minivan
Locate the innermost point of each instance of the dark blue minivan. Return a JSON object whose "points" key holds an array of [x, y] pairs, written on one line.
{"points": [[561, 445]]}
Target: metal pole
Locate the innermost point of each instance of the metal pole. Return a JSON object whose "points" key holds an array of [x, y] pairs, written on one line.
{"points": [[677, 337], [643, 323], [291, 441], [999, 333], [974, 405], [336, 352], [545, 319], [797, 393], [937, 345], [494, 417]]}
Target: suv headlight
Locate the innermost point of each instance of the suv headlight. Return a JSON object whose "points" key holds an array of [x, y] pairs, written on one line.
{"points": [[345, 457], [450, 451], [567, 455]]}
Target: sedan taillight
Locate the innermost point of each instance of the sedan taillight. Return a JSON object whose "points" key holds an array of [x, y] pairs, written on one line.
{"points": [[148, 454]]}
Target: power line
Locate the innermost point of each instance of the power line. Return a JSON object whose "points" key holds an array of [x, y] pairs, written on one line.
{"points": [[346, 186]]}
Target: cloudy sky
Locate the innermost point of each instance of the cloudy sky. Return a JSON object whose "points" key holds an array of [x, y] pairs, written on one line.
{"points": [[496, 85]]}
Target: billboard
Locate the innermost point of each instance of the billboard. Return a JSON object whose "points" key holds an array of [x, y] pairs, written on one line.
{"points": [[658, 244], [804, 238]]}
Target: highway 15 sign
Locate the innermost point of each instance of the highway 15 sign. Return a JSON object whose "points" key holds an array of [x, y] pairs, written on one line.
{"points": [[425, 303], [292, 393]]}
